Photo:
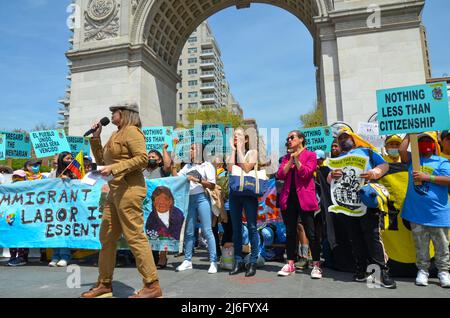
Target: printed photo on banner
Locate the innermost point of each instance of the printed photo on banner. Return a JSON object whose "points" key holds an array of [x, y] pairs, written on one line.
{"points": [[78, 144], [318, 138], [50, 213], [345, 191], [165, 210], [156, 137], [49, 143], [18, 145], [2, 147], [413, 109]]}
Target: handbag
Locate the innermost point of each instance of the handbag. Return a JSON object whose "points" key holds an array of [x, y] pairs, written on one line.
{"points": [[254, 183]]}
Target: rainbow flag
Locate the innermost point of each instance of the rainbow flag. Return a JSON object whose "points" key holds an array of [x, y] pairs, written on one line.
{"points": [[77, 166]]}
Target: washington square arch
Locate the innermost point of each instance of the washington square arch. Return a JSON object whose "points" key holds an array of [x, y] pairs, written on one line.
{"points": [[129, 50]]}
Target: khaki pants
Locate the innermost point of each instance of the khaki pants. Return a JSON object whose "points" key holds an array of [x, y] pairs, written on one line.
{"points": [[439, 236], [123, 215]]}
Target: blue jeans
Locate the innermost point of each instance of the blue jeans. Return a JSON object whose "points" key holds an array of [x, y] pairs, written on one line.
{"points": [[237, 205], [61, 254], [199, 206]]}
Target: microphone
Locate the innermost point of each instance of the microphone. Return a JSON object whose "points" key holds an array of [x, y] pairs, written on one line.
{"points": [[104, 122]]}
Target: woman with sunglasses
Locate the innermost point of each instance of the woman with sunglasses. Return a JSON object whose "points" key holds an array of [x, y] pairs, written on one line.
{"points": [[298, 199]]}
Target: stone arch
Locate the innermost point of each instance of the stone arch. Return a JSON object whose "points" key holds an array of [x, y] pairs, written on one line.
{"points": [[166, 25]]}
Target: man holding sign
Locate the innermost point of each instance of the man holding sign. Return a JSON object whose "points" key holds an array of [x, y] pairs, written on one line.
{"points": [[356, 163], [427, 208]]}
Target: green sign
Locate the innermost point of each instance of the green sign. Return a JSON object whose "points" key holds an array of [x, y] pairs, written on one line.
{"points": [[318, 138], [18, 145], [49, 143], [156, 137], [78, 144], [413, 109]]}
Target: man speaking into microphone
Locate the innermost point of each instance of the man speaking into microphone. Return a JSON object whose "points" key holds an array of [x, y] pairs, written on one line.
{"points": [[124, 157]]}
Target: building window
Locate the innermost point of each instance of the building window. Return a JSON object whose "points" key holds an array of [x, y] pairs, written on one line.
{"points": [[192, 50], [180, 62], [193, 105], [181, 117], [181, 95], [192, 83], [181, 107], [192, 39], [192, 71], [192, 60], [193, 94]]}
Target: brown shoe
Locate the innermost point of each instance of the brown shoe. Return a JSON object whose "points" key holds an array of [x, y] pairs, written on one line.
{"points": [[151, 290], [101, 290]]}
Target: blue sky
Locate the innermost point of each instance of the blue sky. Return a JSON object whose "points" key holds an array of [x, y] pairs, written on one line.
{"points": [[267, 53]]}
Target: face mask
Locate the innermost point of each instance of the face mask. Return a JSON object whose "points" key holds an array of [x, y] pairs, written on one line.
{"points": [[393, 152], [35, 169], [347, 145], [426, 147], [152, 163]]}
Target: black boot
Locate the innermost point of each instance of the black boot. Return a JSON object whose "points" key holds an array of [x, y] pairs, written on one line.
{"points": [[237, 268], [386, 280], [251, 270]]}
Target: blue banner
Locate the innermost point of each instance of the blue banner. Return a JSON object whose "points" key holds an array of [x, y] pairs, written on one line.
{"points": [[78, 144], [18, 145], [57, 213], [156, 137], [413, 109], [51, 213], [49, 143]]}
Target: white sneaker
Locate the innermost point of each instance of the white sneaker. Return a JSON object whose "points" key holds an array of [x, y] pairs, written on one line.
{"points": [[316, 272], [422, 278], [286, 270], [53, 263], [184, 266], [62, 263], [213, 268], [444, 279]]}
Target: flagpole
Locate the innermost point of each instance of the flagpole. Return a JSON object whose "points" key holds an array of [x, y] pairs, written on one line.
{"points": [[66, 169]]}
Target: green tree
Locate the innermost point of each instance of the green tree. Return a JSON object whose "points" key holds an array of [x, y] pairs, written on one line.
{"points": [[212, 116], [314, 118]]}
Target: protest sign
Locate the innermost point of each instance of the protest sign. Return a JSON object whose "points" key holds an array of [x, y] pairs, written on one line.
{"points": [[318, 138], [182, 141], [413, 109], [345, 191], [370, 133], [156, 137], [78, 144], [18, 145], [49, 143], [2, 147], [51, 213], [57, 213]]}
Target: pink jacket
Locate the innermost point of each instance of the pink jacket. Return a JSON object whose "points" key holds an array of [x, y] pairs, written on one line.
{"points": [[304, 181]]}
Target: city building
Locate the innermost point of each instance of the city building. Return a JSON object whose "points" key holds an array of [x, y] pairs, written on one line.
{"points": [[203, 83]]}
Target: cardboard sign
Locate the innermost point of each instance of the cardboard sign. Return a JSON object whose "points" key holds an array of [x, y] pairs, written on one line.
{"points": [[413, 109], [156, 137], [78, 144], [18, 145], [318, 138], [49, 143]]}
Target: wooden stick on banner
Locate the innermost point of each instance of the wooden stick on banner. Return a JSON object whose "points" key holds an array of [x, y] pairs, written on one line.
{"points": [[415, 156], [9, 163]]}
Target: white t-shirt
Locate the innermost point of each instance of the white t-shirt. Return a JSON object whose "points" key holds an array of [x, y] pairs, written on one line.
{"points": [[164, 217], [2, 179], [206, 170]]}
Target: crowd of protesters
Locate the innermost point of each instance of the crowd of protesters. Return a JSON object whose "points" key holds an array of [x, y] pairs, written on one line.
{"points": [[303, 184]]}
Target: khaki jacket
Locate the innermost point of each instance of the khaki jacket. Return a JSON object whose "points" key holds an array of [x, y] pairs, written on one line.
{"points": [[127, 154]]}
